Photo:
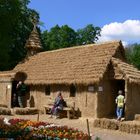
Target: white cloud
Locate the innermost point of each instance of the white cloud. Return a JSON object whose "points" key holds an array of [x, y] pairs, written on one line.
{"points": [[128, 32]]}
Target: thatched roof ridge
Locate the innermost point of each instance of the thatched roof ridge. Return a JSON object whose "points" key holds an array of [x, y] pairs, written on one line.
{"points": [[130, 72], [82, 65], [103, 44]]}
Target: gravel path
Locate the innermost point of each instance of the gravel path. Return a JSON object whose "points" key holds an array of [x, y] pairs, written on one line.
{"points": [[82, 125]]}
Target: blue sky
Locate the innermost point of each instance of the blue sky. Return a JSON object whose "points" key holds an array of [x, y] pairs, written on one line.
{"points": [[103, 13]]}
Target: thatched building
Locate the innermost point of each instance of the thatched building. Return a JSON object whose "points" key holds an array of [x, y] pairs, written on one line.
{"points": [[88, 75]]}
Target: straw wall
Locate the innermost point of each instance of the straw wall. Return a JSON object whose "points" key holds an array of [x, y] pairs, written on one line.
{"points": [[5, 91], [133, 99], [84, 101], [36, 96], [105, 100]]}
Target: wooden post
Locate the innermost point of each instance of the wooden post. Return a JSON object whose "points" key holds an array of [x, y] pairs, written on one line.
{"points": [[38, 116], [6, 100], [68, 114], [74, 105], [73, 111], [88, 129], [86, 100]]}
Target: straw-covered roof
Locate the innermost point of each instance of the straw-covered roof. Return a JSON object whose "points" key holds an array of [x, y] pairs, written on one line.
{"points": [[34, 41], [7, 74], [82, 65], [129, 71]]}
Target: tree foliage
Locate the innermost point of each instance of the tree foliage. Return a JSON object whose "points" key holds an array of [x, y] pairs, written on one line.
{"points": [[133, 55], [88, 35], [68, 36], [64, 36], [52, 39], [59, 37], [15, 27]]}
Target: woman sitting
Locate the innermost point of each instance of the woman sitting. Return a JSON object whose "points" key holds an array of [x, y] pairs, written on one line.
{"points": [[58, 105]]}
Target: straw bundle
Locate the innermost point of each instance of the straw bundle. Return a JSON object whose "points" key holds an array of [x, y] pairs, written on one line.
{"points": [[25, 111], [137, 117], [130, 127], [3, 105], [5, 111], [106, 124]]}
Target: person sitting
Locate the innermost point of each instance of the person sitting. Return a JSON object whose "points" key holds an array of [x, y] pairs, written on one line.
{"points": [[58, 105]]}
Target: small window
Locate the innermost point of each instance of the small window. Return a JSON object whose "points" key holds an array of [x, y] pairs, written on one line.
{"points": [[91, 88], [47, 90], [72, 90], [100, 88]]}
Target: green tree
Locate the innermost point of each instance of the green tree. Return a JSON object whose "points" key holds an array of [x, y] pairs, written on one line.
{"points": [[61, 37], [52, 39], [88, 35], [15, 27], [68, 36], [44, 38], [133, 55], [9, 12]]}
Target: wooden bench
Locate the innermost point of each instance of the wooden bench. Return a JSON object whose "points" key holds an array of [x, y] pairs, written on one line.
{"points": [[47, 109], [69, 110]]}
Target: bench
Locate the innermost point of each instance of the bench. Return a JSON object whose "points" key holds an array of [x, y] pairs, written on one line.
{"points": [[69, 110]]}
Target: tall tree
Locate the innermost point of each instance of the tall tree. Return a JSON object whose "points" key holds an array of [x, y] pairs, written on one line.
{"points": [[88, 35], [9, 12], [15, 27], [133, 55]]}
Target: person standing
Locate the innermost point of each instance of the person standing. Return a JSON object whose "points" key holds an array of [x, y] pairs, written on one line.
{"points": [[21, 91], [120, 101], [14, 99]]}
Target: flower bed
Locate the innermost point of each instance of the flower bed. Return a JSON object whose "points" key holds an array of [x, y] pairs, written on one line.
{"points": [[19, 128]]}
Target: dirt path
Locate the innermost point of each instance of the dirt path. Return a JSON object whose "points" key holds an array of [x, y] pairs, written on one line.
{"points": [[82, 125]]}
